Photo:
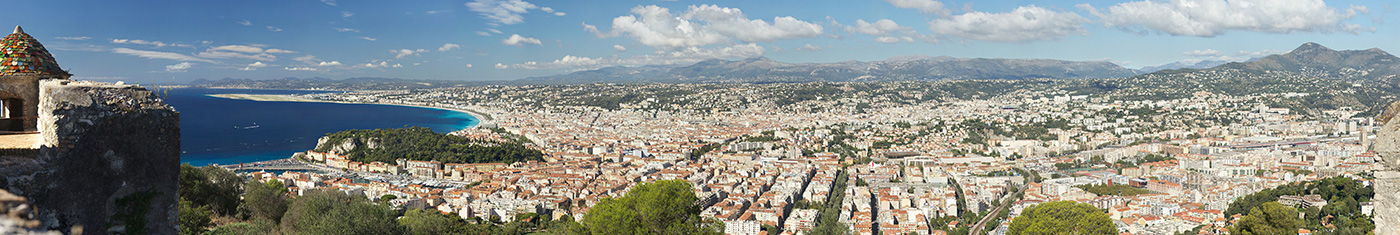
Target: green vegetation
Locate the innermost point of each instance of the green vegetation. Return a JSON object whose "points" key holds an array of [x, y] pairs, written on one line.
{"points": [[661, 207], [212, 186], [1062, 217], [1269, 218], [422, 144], [829, 222], [131, 212], [333, 212], [193, 219], [1117, 189], [265, 201], [1343, 196]]}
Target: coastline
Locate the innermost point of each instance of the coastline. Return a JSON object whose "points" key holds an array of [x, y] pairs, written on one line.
{"points": [[482, 119]]}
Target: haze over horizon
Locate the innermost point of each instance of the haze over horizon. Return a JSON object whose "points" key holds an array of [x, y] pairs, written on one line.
{"points": [[177, 42]]}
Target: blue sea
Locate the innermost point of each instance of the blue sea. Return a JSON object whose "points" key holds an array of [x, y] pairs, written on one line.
{"points": [[227, 131]]}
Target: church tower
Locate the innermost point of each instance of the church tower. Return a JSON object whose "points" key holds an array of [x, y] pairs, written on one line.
{"points": [[23, 64]]}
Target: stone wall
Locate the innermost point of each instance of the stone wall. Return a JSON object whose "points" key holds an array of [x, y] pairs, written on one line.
{"points": [[1387, 183], [109, 161]]}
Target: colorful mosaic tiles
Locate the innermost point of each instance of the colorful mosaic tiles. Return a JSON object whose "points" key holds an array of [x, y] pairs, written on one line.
{"points": [[25, 56]]}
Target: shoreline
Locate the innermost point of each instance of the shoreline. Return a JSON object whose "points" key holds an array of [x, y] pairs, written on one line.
{"points": [[482, 119]]}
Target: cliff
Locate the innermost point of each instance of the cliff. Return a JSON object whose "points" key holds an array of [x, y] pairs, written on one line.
{"points": [[107, 160]]}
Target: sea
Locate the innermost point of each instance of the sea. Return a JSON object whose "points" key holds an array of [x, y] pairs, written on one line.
{"points": [[228, 131]]}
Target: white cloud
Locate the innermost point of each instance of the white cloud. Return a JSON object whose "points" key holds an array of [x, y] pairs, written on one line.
{"points": [[809, 47], [483, 33], [591, 28], [398, 66], [559, 14], [232, 55], [703, 25], [1025, 23], [159, 55], [274, 29], [448, 47], [328, 2], [242, 51], [73, 38], [619, 48], [299, 68], [1262, 53], [369, 38], [253, 66], [149, 43], [879, 28], [238, 48], [547, 9], [1206, 52], [346, 30], [305, 58], [925, 6], [887, 39], [469, 65], [495, 31], [178, 68], [346, 14], [400, 53], [381, 64], [506, 12], [246, 23], [517, 40], [688, 55], [332, 63], [1208, 18]]}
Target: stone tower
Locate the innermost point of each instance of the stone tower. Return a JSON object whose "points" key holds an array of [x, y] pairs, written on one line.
{"points": [[23, 64]]}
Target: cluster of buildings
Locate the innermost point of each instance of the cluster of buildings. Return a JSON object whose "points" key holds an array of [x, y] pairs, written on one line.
{"points": [[905, 162]]}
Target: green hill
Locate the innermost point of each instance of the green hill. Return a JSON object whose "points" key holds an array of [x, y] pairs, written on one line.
{"points": [[422, 144]]}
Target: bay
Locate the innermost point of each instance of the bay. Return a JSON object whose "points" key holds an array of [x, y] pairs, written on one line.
{"points": [[228, 131]]}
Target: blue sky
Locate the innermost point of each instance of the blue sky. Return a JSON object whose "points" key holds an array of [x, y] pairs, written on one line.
{"points": [[178, 41]]}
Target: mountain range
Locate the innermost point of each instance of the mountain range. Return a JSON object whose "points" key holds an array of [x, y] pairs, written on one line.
{"points": [[1310, 59], [906, 68]]}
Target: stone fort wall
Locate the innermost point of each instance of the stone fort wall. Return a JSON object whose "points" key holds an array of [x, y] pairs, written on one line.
{"points": [[108, 163]]}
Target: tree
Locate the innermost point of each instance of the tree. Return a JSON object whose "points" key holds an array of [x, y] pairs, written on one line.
{"points": [[661, 207], [419, 221], [1063, 217], [324, 211], [255, 228], [1268, 218], [193, 219], [210, 185], [266, 200], [390, 197]]}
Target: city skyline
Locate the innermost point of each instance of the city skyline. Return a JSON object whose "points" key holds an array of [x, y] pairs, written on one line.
{"points": [[504, 40]]}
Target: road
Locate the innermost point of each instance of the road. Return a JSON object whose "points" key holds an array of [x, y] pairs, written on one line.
{"points": [[977, 229]]}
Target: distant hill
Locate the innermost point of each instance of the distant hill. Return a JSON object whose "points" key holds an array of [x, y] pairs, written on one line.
{"points": [[1204, 64], [1317, 60], [905, 68], [1318, 78]]}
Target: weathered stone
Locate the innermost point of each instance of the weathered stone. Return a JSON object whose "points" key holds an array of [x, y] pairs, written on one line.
{"points": [[100, 143], [1387, 183]]}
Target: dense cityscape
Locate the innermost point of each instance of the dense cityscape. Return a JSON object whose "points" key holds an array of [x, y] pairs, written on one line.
{"points": [[883, 157]]}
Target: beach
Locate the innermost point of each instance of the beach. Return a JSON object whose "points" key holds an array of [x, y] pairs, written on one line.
{"points": [[484, 120]]}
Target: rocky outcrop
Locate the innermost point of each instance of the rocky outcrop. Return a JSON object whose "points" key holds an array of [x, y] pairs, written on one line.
{"points": [[108, 161], [1387, 183]]}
